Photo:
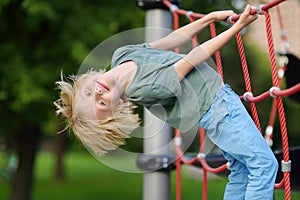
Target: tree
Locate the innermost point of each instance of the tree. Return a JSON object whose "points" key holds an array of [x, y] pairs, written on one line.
{"points": [[38, 40]]}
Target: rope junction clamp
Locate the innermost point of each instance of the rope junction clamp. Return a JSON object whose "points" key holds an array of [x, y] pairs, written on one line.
{"points": [[259, 9], [286, 166], [201, 155], [188, 14], [271, 91], [280, 73], [173, 8], [283, 60], [269, 141], [178, 141], [269, 133], [228, 165], [247, 94], [286, 45], [229, 19], [269, 130], [156, 4]]}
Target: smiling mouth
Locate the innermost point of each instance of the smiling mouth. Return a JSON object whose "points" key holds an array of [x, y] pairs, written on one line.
{"points": [[103, 85]]}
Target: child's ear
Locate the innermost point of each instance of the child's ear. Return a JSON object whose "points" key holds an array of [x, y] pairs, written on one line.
{"points": [[121, 101]]}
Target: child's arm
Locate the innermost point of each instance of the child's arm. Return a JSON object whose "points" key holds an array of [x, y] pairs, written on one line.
{"points": [[205, 50], [185, 33]]}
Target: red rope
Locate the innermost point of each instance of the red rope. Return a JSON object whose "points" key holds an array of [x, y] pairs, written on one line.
{"points": [[280, 107], [273, 111], [282, 35], [264, 8], [202, 150], [176, 26], [179, 154], [279, 185], [271, 49], [247, 78], [194, 39], [277, 93], [269, 129], [217, 53], [272, 4], [204, 185], [201, 156], [180, 11]]}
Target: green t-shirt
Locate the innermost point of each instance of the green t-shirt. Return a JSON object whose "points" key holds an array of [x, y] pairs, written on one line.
{"points": [[156, 85]]}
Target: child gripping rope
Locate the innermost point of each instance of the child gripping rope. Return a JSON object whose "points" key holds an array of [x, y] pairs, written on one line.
{"points": [[180, 89]]}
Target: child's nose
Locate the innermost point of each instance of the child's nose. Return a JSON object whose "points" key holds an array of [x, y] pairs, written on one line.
{"points": [[98, 89]]}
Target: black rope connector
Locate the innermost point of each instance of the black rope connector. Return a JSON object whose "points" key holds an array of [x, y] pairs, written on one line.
{"points": [[156, 4], [149, 162]]}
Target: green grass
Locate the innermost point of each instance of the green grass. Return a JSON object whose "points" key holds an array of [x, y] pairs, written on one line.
{"points": [[88, 179]]}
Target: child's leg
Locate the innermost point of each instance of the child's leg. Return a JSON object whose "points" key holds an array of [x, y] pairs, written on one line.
{"points": [[238, 179], [230, 127]]}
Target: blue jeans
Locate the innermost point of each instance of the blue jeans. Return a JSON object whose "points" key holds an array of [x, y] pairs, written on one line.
{"points": [[252, 163]]}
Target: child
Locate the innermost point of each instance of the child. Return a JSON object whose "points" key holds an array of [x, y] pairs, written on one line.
{"points": [[180, 89]]}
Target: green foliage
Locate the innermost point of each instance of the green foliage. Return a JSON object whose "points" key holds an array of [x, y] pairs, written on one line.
{"points": [[206, 6], [89, 179], [39, 39]]}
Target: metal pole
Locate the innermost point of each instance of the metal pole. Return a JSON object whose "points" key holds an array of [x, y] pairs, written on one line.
{"points": [[157, 134]]}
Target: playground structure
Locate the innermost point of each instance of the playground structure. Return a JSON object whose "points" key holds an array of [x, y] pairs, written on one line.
{"points": [[159, 163]]}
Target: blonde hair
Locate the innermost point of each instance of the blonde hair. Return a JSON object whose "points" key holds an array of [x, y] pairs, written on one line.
{"points": [[98, 136]]}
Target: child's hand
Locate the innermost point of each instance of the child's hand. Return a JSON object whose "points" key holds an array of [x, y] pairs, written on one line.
{"points": [[222, 15], [246, 17]]}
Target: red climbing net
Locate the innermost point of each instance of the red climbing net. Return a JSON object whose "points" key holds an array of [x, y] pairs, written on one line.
{"points": [[274, 92]]}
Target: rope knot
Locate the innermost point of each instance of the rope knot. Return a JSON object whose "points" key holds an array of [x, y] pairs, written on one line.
{"points": [[250, 94], [173, 8], [271, 90], [259, 9]]}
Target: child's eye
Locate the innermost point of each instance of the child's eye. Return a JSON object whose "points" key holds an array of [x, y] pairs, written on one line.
{"points": [[100, 102], [87, 93]]}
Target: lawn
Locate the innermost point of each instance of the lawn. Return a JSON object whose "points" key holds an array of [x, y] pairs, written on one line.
{"points": [[89, 179]]}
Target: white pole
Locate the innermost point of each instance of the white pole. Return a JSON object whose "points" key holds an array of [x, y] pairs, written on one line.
{"points": [[158, 133]]}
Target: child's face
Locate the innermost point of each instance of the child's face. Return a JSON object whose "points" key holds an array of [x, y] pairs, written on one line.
{"points": [[98, 96]]}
